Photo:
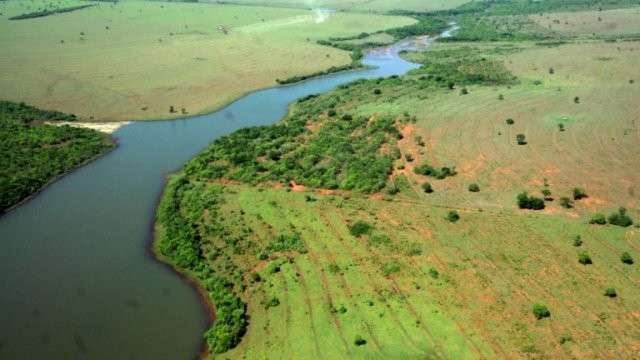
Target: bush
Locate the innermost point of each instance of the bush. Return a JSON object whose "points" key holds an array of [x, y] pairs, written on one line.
{"points": [[620, 218], [584, 258], [440, 174], [360, 228], [540, 311], [566, 203], [331, 112], [474, 187], [546, 194], [377, 91], [598, 219], [610, 292], [521, 139], [453, 216], [427, 188], [579, 193], [434, 273], [577, 241], [626, 258], [510, 121], [530, 202], [359, 341], [273, 302], [464, 91], [392, 189]]}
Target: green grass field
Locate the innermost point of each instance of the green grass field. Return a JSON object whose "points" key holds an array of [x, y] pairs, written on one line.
{"points": [[133, 60], [361, 5], [416, 285], [609, 22]]}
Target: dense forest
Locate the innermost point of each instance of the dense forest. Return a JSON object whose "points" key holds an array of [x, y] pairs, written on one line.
{"points": [[33, 153]]}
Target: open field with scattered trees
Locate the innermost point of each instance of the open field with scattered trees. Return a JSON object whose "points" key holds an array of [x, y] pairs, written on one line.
{"points": [[152, 60], [361, 5], [482, 206]]}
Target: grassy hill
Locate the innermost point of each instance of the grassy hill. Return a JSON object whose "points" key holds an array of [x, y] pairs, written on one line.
{"points": [[388, 218]]}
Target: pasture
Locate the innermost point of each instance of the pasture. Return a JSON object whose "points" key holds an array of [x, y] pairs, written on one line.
{"points": [[135, 60], [327, 272], [379, 6], [589, 23]]}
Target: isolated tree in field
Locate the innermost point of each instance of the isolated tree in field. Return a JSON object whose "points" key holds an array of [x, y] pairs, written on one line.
{"points": [[551, 71], [598, 219], [561, 127], [576, 99], [540, 311], [464, 91], [172, 109], [453, 216], [377, 91], [577, 241], [500, 97], [579, 193], [610, 292], [521, 139], [359, 341], [529, 202], [620, 218], [510, 121], [474, 187], [360, 228], [546, 194], [584, 258], [427, 188], [626, 258]]}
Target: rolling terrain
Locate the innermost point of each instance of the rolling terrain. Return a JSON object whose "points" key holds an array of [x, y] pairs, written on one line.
{"points": [[385, 219]]}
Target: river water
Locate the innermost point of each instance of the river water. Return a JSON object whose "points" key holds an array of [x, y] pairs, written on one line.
{"points": [[77, 279]]}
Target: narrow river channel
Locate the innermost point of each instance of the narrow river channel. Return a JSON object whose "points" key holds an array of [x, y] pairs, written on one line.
{"points": [[77, 279]]}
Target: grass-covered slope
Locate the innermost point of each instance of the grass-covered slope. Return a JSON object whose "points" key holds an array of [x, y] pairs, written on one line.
{"points": [[32, 153], [321, 224]]}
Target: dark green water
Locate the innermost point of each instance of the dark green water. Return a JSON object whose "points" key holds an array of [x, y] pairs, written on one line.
{"points": [[77, 280]]}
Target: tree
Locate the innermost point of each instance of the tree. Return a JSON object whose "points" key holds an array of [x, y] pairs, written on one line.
{"points": [[510, 121], [359, 341], [474, 187], [540, 311], [360, 228], [610, 292], [584, 258], [579, 193], [521, 139], [546, 194], [453, 216], [529, 202], [598, 219], [577, 241], [620, 218], [576, 99], [626, 258], [464, 91], [427, 188], [377, 91]]}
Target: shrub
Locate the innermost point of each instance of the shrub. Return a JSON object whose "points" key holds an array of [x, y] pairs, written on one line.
{"points": [[434, 273], [560, 127], [566, 203], [521, 139], [389, 268], [584, 258], [392, 189], [626, 258], [620, 218], [331, 112], [577, 241], [576, 99], [408, 157], [287, 242], [540, 311], [598, 219], [546, 194], [579, 193], [530, 202], [464, 91], [427, 188], [273, 302], [474, 187], [610, 292], [359, 341], [453, 216], [440, 174], [360, 228], [377, 91], [510, 121]]}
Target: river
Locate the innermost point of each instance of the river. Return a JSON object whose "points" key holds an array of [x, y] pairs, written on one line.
{"points": [[77, 277]]}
